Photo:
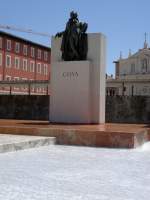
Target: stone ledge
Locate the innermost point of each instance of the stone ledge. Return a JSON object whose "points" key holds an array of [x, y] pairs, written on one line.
{"points": [[103, 135], [9, 143]]}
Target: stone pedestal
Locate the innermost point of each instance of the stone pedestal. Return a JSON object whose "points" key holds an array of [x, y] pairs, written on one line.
{"points": [[70, 101], [78, 87]]}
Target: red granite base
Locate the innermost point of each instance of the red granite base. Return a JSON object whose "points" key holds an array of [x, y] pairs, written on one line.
{"points": [[103, 135]]}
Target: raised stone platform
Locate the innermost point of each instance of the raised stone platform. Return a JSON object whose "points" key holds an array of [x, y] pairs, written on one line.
{"points": [[10, 143], [103, 135]]}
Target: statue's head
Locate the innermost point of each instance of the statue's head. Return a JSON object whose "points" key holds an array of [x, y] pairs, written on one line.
{"points": [[73, 15]]}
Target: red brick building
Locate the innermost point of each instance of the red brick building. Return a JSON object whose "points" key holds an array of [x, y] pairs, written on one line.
{"points": [[21, 59]]}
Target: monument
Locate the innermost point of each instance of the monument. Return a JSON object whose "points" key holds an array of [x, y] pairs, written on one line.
{"points": [[77, 75]]}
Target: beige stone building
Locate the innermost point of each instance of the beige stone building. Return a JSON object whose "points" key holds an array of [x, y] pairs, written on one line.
{"points": [[132, 74]]}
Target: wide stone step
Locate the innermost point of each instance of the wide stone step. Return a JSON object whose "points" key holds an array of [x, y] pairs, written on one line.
{"points": [[10, 143], [95, 135]]}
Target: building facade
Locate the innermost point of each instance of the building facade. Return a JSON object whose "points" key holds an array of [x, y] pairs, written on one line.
{"points": [[21, 59], [132, 74]]}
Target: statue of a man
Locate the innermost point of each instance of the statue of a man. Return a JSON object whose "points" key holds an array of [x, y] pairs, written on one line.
{"points": [[70, 38], [74, 40]]}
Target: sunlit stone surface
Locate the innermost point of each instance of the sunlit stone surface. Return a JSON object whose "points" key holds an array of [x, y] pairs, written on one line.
{"points": [[10, 143], [75, 173], [78, 87]]}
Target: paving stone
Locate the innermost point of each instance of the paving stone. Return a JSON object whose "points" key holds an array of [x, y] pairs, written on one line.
{"points": [[18, 142]]}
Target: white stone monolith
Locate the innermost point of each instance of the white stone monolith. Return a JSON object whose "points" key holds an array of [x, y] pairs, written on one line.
{"points": [[78, 87]]}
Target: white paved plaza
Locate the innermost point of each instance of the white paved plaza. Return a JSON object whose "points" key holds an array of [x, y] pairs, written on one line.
{"points": [[75, 173]]}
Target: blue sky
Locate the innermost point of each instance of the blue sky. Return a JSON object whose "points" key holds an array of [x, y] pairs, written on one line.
{"points": [[124, 22]]}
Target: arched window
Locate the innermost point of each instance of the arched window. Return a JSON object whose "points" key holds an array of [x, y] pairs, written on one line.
{"points": [[132, 68], [144, 65]]}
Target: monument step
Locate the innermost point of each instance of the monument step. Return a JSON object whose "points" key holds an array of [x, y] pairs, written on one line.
{"points": [[9, 143], [98, 135]]}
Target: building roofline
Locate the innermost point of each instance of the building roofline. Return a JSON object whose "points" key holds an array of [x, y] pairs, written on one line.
{"points": [[23, 39]]}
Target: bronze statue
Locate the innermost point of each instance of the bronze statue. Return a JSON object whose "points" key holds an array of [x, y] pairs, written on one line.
{"points": [[74, 39]]}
